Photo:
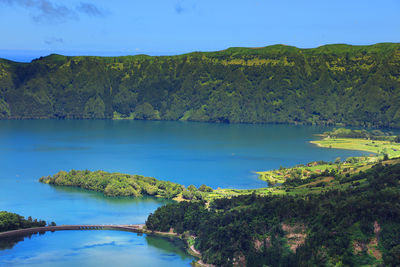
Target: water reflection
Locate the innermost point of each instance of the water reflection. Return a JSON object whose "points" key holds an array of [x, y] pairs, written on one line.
{"points": [[93, 248], [168, 245], [10, 242], [75, 191]]}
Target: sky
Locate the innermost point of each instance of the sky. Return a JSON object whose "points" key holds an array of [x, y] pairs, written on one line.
{"points": [[33, 28]]}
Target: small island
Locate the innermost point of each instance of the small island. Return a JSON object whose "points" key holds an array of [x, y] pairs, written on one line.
{"points": [[125, 185]]}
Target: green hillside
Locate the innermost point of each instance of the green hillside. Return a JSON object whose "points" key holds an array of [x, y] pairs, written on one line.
{"points": [[354, 226], [332, 84]]}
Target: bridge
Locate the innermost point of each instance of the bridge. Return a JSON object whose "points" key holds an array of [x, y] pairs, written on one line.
{"points": [[137, 228]]}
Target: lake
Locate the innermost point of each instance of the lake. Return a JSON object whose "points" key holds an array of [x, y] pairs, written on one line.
{"points": [[218, 155], [95, 248]]}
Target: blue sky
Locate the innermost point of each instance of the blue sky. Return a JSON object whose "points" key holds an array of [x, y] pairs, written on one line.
{"points": [[32, 28]]}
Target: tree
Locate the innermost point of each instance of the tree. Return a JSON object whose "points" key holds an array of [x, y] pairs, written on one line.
{"points": [[94, 108], [146, 111], [192, 188], [186, 194], [393, 259], [124, 102], [204, 188]]}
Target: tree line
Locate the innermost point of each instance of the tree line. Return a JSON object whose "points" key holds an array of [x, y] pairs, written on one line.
{"points": [[12, 221], [363, 134], [332, 84]]}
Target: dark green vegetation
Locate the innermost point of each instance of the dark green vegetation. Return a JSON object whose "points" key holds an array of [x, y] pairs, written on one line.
{"points": [[355, 226], [332, 84], [115, 184], [362, 134], [12, 221], [118, 184]]}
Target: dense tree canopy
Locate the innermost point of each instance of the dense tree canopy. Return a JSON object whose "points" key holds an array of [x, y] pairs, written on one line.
{"points": [[332, 84], [356, 226], [119, 184], [115, 184], [12, 221]]}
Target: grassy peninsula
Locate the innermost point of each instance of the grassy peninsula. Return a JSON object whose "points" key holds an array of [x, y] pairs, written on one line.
{"points": [[375, 141], [318, 168], [332, 84], [374, 146]]}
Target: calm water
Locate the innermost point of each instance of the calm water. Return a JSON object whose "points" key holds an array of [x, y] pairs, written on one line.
{"points": [[219, 155], [95, 248]]}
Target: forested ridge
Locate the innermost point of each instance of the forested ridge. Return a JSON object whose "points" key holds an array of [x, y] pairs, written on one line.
{"points": [[356, 226], [332, 84]]}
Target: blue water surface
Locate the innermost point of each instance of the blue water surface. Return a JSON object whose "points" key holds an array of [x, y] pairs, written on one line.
{"points": [[219, 155], [95, 248]]}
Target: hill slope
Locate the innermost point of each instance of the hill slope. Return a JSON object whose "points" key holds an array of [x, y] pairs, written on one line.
{"points": [[353, 85], [355, 226]]}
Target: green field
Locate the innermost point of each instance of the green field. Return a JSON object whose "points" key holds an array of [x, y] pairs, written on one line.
{"points": [[375, 146], [314, 180], [318, 176]]}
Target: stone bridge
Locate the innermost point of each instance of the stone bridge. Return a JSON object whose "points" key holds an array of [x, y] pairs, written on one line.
{"points": [[137, 228]]}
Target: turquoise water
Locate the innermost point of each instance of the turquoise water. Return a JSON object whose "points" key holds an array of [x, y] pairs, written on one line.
{"points": [[95, 248], [219, 155]]}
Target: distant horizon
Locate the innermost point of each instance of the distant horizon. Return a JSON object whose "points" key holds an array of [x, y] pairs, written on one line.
{"points": [[159, 27], [26, 56]]}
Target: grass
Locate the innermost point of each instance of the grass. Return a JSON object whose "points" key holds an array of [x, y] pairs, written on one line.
{"points": [[119, 116], [351, 165], [321, 175], [375, 146]]}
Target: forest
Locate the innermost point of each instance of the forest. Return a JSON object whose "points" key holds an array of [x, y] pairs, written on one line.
{"points": [[329, 85], [356, 226], [125, 185]]}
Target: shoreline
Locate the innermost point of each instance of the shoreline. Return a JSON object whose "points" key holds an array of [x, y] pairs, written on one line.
{"points": [[134, 228], [189, 248]]}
